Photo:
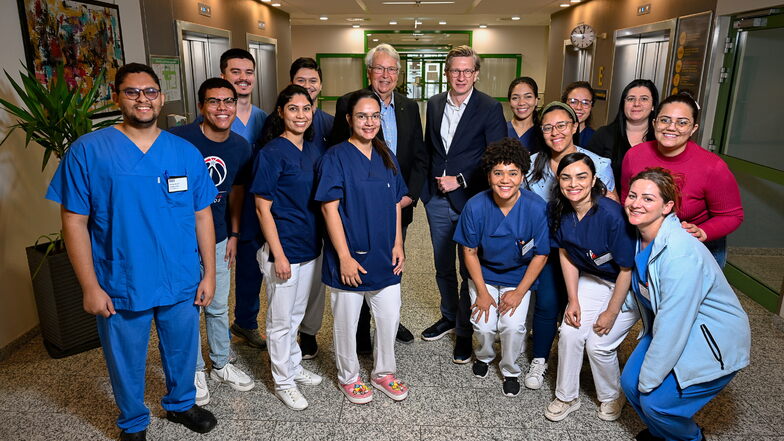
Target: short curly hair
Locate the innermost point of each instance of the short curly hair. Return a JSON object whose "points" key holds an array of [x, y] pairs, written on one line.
{"points": [[506, 151]]}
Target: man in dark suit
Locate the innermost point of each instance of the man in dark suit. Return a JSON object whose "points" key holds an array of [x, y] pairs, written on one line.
{"points": [[460, 125], [401, 129]]}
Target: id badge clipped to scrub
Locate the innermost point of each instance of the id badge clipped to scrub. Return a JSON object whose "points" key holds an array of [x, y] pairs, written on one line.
{"points": [[644, 291], [600, 260], [525, 247], [176, 184]]}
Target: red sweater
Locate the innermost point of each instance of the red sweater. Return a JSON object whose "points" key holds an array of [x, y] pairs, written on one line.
{"points": [[710, 197]]}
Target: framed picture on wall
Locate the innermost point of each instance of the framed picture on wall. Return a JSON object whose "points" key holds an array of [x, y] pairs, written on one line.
{"points": [[83, 35]]}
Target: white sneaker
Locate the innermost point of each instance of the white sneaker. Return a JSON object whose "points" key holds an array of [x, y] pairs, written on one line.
{"points": [[611, 410], [307, 378], [558, 410], [202, 392], [292, 398], [534, 378], [234, 377]]}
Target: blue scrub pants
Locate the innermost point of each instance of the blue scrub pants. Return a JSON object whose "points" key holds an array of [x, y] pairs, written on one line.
{"points": [[550, 303], [454, 306], [125, 336], [668, 410], [247, 285]]}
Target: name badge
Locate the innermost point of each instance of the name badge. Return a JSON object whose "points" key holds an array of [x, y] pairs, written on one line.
{"points": [[526, 247], [177, 183], [644, 291], [601, 260]]}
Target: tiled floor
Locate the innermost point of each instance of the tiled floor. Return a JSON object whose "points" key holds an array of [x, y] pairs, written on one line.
{"points": [[70, 399]]}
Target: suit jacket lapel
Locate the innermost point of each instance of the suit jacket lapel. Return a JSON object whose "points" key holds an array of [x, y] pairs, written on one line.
{"points": [[440, 105], [400, 115]]}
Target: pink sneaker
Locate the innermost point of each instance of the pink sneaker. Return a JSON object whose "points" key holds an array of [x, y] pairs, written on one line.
{"points": [[391, 386], [357, 392]]}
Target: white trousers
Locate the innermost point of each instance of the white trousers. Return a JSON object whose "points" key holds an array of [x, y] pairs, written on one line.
{"points": [[593, 294], [510, 327], [314, 313], [385, 308], [286, 303]]}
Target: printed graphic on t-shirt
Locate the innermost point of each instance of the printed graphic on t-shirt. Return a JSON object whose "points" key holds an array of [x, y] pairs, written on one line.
{"points": [[217, 169]]}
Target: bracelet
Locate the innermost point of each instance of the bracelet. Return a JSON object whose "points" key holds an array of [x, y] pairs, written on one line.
{"points": [[237, 235]]}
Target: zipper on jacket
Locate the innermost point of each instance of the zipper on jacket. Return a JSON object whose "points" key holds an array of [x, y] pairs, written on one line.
{"points": [[712, 344]]}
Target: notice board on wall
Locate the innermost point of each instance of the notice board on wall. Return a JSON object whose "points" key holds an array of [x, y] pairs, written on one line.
{"points": [[691, 48], [168, 70]]}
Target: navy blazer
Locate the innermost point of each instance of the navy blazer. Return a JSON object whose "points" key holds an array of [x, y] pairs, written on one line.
{"points": [[411, 154], [482, 123]]}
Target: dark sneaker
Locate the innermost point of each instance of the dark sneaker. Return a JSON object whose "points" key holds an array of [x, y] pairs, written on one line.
{"points": [[135, 436], [251, 336], [464, 347], [308, 346], [439, 329], [404, 335], [479, 369], [645, 435], [196, 418], [364, 344], [511, 386]]}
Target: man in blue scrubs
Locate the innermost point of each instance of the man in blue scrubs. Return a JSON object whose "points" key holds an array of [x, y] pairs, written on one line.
{"points": [[239, 67], [227, 157], [136, 219]]}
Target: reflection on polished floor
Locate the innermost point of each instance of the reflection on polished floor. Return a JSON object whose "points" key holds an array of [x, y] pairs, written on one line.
{"points": [[764, 264], [70, 399]]}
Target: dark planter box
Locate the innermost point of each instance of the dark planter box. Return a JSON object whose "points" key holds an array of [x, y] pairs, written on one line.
{"points": [[66, 328]]}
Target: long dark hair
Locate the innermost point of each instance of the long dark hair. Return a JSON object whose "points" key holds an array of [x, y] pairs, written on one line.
{"points": [[544, 156], [684, 98], [378, 144], [561, 206], [537, 141], [274, 125], [623, 146], [565, 96]]}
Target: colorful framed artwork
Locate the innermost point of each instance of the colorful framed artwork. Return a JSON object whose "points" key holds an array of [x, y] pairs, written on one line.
{"points": [[83, 35]]}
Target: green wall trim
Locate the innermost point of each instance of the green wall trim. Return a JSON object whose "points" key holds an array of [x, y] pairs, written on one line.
{"points": [[750, 286], [754, 169]]}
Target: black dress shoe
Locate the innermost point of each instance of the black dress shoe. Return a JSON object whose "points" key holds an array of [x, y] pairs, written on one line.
{"points": [[403, 334], [196, 418], [464, 346], [645, 435], [308, 346], [135, 436], [438, 329]]}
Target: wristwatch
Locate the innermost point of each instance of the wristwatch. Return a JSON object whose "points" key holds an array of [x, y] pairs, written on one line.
{"points": [[461, 180]]}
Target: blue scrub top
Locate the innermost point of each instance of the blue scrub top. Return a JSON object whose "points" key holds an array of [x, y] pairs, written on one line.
{"points": [[252, 131], [143, 237], [584, 137], [502, 239], [640, 274], [368, 193], [543, 187], [526, 139], [285, 175], [601, 243], [322, 127]]}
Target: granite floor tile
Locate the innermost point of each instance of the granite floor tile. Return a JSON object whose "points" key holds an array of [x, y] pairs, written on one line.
{"points": [[226, 429], [299, 431], [376, 432]]}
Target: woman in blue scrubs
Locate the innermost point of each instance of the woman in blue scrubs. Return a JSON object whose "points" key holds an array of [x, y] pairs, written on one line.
{"points": [[360, 187], [523, 97], [505, 242], [695, 333], [559, 124], [596, 253], [580, 97], [283, 184]]}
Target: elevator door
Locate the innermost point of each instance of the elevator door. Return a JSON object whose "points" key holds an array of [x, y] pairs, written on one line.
{"points": [[266, 90], [201, 60], [577, 64]]}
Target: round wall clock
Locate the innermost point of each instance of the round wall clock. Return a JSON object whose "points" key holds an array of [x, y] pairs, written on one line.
{"points": [[582, 36]]}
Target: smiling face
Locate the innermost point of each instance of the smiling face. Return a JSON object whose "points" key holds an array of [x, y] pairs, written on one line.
{"points": [[522, 101], [217, 114], [505, 180], [141, 112], [583, 111], [297, 115], [576, 181], [365, 120], [644, 204], [309, 79], [460, 81], [638, 104], [384, 82], [559, 141], [673, 136], [241, 73]]}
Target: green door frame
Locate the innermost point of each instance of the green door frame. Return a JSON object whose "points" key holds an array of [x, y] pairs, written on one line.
{"points": [[320, 57]]}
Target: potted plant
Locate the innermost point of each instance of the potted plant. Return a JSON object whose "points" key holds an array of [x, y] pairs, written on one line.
{"points": [[54, 116]]}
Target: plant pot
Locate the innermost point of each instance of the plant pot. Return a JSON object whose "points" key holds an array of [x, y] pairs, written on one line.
{"points": [[66, 328]]}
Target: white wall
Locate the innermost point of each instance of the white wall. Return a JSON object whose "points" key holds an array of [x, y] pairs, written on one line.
{"points": [[727, 7], [530, 41], [24, 214]]}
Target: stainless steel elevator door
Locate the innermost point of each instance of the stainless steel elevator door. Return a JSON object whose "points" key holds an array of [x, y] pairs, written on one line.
{"points": [[201, 54], [266, 91]]}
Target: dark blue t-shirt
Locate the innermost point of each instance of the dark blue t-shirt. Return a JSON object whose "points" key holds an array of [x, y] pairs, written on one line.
{"points": [[228, 163], [601, 242]]}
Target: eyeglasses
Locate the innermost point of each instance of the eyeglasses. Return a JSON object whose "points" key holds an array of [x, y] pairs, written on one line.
{"points": [[454, 73], [575, 101], [362, 117], [559, 126], [215, 102], [380, 70], [681, 124], [642, 100], [133, 93]]}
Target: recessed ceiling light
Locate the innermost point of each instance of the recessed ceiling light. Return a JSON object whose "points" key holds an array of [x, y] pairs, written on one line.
{"points": [[375, 39], [323, 18], [575, 1], [442, 22], [277, 5], [392, 22], [515, 17], [355, 26], [266, 1], [417, 3], [482, 26], [564, 5]]}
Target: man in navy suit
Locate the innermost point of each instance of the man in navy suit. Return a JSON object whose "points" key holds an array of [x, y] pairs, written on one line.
{"points": [[401, 130], [460, 124]]}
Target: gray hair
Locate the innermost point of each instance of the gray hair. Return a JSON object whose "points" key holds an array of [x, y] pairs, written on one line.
{"points": [[384, 48], [462, 51]]}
